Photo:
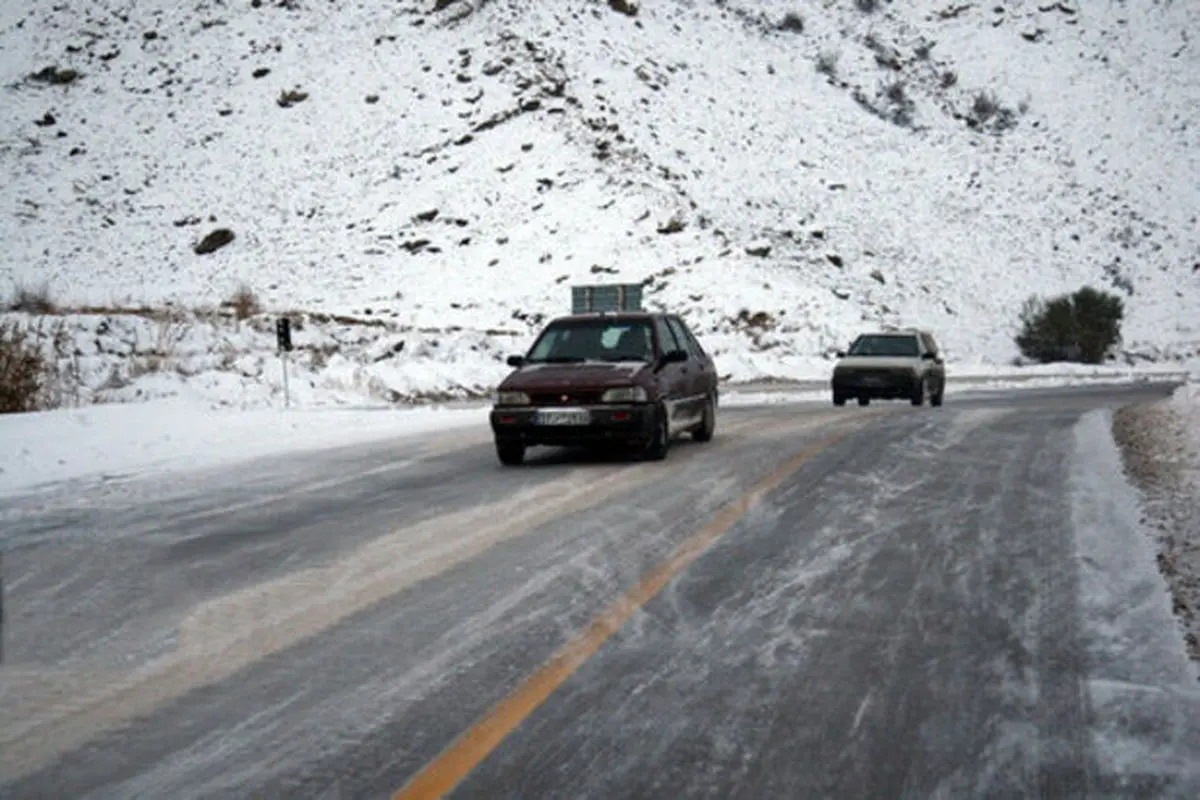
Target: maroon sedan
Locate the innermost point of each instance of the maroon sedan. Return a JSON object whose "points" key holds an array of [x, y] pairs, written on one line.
{"points": [[630, 379]]}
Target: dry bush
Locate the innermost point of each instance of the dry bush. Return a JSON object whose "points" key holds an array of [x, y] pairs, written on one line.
{"points": [[170, 330], [32, 300], [30, 379], [827, 62], [244, 302]]}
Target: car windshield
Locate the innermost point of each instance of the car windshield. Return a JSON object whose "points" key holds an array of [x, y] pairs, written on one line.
{"points": [[884, 345], [594, 340]]}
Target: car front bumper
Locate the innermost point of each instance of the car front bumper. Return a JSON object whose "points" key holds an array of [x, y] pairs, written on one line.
{"points": [[606, 424], [875, 385]]}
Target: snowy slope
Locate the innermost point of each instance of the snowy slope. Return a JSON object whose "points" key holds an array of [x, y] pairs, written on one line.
{"points": [[556, 140]]}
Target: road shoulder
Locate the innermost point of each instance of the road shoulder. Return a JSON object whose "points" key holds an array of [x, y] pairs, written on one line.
{"points": [[1160, 447]]}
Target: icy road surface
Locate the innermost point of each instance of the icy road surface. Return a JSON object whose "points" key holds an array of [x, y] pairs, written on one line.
{"points": [[927, 602]]}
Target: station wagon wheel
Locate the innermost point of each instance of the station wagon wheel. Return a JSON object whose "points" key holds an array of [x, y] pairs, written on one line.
{"points": [[918, 397], [656, 449], [708, 424]]}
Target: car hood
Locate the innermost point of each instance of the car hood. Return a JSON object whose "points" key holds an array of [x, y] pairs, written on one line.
{"points": [[878, 362], [592, 374]]}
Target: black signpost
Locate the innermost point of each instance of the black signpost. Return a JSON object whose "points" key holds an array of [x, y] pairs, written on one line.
{"points": [[283, 338]]}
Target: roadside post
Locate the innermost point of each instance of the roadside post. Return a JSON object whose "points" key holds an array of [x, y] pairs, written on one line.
{"points": [[283, 338]]}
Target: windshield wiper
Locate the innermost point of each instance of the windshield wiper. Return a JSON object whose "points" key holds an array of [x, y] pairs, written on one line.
{"points": [[559, 360]]}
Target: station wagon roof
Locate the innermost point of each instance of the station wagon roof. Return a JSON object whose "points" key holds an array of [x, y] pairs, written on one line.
{"points": [[630, 316]]}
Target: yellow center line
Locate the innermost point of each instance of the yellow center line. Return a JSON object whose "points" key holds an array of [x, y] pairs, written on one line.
{"points": [[466, 752]]}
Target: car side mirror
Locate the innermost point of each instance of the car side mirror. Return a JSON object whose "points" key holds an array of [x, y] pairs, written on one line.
{"points": [[840, 354], [516, 361], [929, 356], [674, 357]]}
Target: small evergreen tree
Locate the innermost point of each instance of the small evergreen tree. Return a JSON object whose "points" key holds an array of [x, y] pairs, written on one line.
{"points": [[1080, 327]]}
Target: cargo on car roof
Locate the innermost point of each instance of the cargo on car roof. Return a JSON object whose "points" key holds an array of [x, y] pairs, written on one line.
{"points": [[606, 297]]}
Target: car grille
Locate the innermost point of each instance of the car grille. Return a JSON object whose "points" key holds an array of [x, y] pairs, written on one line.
{"points": [[880, 375], [568, 397]]}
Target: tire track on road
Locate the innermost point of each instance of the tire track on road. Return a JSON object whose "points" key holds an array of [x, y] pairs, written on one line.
{"points": [[220, 636]]}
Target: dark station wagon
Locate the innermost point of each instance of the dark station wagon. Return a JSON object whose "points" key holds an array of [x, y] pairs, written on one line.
{"points": [[628, 379]]}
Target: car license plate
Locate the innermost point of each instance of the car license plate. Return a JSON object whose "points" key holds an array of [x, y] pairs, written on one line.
{"points": [[562, 416]]}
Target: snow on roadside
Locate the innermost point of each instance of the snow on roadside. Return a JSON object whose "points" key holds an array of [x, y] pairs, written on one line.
{"points": [[110, 441], [1143, 691], [157, 392], [221, 361], [1160, 444]]}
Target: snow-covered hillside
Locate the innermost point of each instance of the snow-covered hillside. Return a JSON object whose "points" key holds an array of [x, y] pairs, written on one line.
{"points": [[782, 173]]}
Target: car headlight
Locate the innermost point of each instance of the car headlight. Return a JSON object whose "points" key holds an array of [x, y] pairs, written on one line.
{"points": [[626, 394], [512, 399]]}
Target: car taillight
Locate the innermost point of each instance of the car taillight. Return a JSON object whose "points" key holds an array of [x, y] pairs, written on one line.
{"points": [[507, 420], [622, 416]]}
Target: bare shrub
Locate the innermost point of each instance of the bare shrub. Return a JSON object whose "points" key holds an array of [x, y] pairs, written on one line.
{"points": [[29, 377], [987, 112], [169, 332], [891, 102], [867, 6], [243, 302], [827, 62], [32, 300], [318, 358], [984, 106]]}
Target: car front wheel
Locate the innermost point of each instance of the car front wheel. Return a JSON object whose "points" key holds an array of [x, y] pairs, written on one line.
{"points": [[918, 396], [660, 440], [704, 431]]}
